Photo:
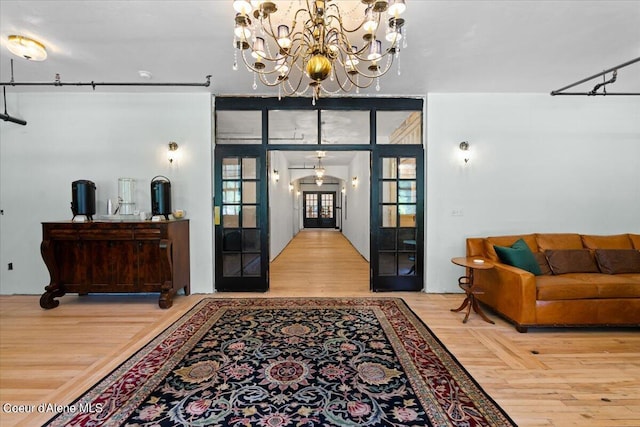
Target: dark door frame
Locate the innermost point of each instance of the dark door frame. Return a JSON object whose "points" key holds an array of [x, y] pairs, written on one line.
{"points": [[412, 281], [241, 282], [373, 105], [319, 222]]}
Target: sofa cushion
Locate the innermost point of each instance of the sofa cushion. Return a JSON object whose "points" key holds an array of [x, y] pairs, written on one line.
{"points": [[563, 287], [558, 241], [616, 286], [631, 276], [618, 261], [635, 240], [571, 261], [545, 270], [529, 239], [586, 286], [518, 255], [618, 241]]}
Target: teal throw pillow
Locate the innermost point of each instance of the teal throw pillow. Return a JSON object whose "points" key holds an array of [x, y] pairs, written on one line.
{"points": [[519, 255]]}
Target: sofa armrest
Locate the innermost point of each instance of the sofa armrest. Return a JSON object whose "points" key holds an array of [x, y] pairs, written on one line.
{"points": [[510, 291]]}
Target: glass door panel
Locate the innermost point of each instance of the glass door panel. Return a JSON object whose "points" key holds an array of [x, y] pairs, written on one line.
{"points": [[319, 209], [327, 209], [397, 218], [241, 252]]}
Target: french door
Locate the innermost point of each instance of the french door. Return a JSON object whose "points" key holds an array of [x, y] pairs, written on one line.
{"points": [[397, 218], [240, 216], [319, 209]]}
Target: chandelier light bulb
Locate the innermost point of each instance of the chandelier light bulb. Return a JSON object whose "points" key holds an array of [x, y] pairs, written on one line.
{"points": [[396, 7], [393, 35], [283, 37], [375, 50], [281, 65], [242, 32], [242, 6], [258, 48], [352, 60], [370, 24]]}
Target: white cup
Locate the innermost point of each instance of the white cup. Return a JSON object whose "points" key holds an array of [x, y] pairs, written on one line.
{"points": [[143, 216]]}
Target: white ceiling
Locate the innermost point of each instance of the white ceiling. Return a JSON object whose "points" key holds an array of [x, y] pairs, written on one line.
{"points": [[453, 45]]}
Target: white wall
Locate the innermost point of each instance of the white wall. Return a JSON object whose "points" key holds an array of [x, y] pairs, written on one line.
{"points": [[281, 211], [356, 210], [539, 164], [100, 137]]}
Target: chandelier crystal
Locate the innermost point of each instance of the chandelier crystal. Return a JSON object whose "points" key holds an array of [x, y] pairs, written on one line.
{"points": [[318, 45]]}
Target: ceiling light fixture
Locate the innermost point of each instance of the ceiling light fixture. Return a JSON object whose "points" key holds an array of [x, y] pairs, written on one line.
{"points": [[317, 44], [27, 48], [319, 169]]}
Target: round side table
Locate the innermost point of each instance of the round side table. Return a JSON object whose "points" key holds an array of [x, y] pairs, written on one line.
{"points": [[470, 287]]}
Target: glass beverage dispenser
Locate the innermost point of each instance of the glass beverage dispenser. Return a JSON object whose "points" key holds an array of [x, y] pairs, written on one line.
{"points": [[126, 193]]}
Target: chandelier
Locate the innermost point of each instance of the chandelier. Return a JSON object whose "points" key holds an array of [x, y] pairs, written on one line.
{"points": [[316, 49], [319, 169]]}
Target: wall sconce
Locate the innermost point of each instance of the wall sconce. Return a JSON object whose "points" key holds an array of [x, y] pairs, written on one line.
{"points": [[276, 175], [172, 153], [354, 181], [290, 187], [344, 190], [465, 153]]}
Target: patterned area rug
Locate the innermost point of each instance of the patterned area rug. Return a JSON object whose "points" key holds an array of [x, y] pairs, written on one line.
{"points": [[290, 362]]}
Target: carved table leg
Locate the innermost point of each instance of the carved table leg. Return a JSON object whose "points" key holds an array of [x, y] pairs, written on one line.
{"points": [[54, 289], [167, 292], [464, 282], [47, 299]]}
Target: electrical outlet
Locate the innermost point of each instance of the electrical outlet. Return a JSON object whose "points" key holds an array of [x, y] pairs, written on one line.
{"points": [[10, 266]]}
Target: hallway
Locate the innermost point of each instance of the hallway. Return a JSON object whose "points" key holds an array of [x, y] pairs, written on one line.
{"points": [[320, 263]]}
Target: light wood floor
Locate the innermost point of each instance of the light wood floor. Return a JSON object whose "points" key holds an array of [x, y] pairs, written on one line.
{"points": [[567, 377]]}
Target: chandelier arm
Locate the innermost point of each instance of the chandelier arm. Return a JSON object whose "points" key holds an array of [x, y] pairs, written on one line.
{"points": [[342, 86], [272, 33], [269, 30], [338, 15], [375, 76], [371, 78], [251, 68], [297, 86], [345, 47], [380, 73], [356, 83], [266, 82]]}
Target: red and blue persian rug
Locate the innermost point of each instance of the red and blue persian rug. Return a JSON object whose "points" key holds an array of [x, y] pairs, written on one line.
{"points": [[274, 362]]}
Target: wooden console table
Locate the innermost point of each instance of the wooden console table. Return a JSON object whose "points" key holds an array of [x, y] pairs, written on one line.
{"points": [[116, 257], [469, 286]]}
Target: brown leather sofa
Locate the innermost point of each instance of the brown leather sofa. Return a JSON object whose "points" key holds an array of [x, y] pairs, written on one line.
{"points": [[561, 297]]}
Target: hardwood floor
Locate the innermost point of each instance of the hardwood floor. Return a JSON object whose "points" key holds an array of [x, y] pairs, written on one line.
{"points": [[547, 377]]}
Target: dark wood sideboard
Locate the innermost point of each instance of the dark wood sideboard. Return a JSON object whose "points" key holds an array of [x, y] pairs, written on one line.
{"points": [[116, 257]]}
